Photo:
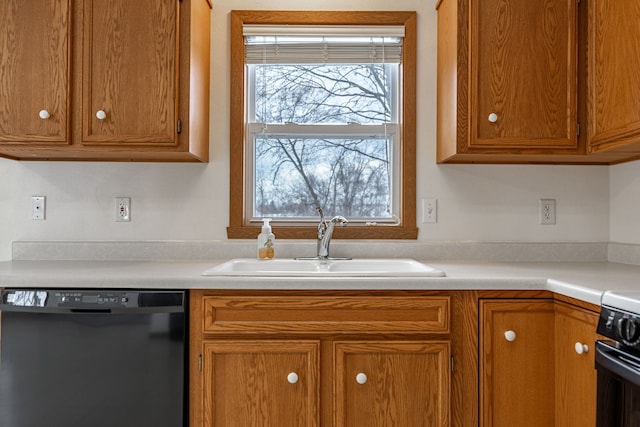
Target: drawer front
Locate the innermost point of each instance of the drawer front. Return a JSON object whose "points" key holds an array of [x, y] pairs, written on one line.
{"points": [[336, 314]]}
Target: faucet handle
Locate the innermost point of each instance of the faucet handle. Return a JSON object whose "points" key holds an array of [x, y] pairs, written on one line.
{"points": [[340, 220], [322, 226]]}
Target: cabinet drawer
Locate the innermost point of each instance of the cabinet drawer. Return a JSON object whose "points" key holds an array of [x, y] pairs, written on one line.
{"points": [[334, 314]]}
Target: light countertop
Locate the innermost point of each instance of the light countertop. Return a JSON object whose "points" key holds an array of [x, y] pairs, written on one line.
{"points": [[582, 280]]}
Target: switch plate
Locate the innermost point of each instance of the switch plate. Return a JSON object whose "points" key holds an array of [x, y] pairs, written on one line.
{"points": [[123, 209], [429, 210], [38, 208], [547, 211]]}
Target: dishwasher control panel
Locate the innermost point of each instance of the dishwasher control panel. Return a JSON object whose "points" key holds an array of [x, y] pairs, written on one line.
{"points": [[69, 299], [99, 300], [88, 299]]}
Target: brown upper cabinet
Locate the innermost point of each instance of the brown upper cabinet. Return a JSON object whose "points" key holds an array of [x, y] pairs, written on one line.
{"points": [[95, 80], [512, 81], [614, 86], [35, 73]]}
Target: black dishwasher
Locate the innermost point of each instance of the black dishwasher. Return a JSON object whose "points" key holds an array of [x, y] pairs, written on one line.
{"points": [[93, 358]]}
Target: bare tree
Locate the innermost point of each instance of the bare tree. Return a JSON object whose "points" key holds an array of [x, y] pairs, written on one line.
{"points": [[344, 175]]}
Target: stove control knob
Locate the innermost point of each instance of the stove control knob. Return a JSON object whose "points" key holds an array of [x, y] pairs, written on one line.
{"points": [[629, 330]]}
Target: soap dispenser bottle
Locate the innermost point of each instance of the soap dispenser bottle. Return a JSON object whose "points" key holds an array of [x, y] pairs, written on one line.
{"points": [[266, 241]]}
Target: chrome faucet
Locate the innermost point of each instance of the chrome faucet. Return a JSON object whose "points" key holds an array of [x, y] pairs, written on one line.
{"points": [[325, 231]]}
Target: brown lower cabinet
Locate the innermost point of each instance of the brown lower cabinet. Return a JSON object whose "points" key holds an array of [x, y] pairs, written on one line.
{"points": [[575, 331], [516, 363], [261, 382], [537, 363], [347, 359], [391, 358], [384, 383]]}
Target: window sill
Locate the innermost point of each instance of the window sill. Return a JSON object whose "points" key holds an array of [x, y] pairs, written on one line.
{"points": [[311, 232]]}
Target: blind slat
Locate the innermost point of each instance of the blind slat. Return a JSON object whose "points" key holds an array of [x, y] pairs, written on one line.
{"points": [[323, 44], [314, 54], [323, 30]]}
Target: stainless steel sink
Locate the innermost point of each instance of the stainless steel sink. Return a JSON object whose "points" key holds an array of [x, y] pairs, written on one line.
{"points": [[364, 267]]}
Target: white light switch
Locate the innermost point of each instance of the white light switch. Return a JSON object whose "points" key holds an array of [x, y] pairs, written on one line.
{"points": [[429, 210]]}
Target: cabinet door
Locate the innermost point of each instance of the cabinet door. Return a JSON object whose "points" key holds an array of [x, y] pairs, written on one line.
{"points": [[576, 376], [516, 363], [261, 383], [34, 71], [613, 84], [387, 384], [129, 72], [523, 75]]}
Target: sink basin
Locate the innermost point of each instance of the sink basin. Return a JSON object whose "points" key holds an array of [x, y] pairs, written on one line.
{"points": [[365, 267]]}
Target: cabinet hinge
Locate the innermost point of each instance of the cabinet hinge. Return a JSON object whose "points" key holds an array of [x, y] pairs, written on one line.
{"points": [[200, 363], [578, 129], [179, 126], [452, 363]]}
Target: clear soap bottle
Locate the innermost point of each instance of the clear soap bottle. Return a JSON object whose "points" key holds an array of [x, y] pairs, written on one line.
{"points": [[266, 241]]}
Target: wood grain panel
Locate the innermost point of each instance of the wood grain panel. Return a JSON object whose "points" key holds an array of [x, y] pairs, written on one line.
{"points": [[35, 71], [517, 378], [407, 384], [576, 376], [525, 72], [337, 314], [129, 71], [527, 62], [245, 383], [614, 86]]}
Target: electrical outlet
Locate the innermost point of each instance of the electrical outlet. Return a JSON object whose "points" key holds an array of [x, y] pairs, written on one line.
{"points": [[38, 207], [547, 211], [429, 210], [123, 209]]}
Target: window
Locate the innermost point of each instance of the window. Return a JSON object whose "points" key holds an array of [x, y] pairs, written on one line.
{"points": [[323, 114]]}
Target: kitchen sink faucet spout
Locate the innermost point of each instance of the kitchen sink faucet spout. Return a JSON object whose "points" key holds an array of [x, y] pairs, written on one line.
{"points": [[325, 231]]}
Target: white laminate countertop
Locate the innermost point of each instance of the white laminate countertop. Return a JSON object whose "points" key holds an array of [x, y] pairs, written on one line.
{"points": [[585, 281]]}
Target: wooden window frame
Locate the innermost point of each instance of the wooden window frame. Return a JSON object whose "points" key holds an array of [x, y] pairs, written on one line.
{"points": [[406, 229]]}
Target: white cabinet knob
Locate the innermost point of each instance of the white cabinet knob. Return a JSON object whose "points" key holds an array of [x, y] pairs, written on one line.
{"points": [[361, 378], [101, 115], [581, 348], [292, 378], [44, 114], [493, 117], [510, 336]]}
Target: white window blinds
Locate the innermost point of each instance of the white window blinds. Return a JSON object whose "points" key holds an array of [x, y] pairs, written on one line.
{"points": [[335, 44]]}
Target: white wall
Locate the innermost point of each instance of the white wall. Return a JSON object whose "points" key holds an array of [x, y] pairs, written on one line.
{"points": [[190, 201], [625, 203], [6, 206]]}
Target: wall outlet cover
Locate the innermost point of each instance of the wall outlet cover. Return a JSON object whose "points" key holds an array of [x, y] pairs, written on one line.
{"points": [[123, 209], [547, 211], [38, 208]]}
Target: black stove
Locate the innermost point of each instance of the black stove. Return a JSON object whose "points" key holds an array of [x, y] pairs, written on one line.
{"points": [[618, 360]]}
